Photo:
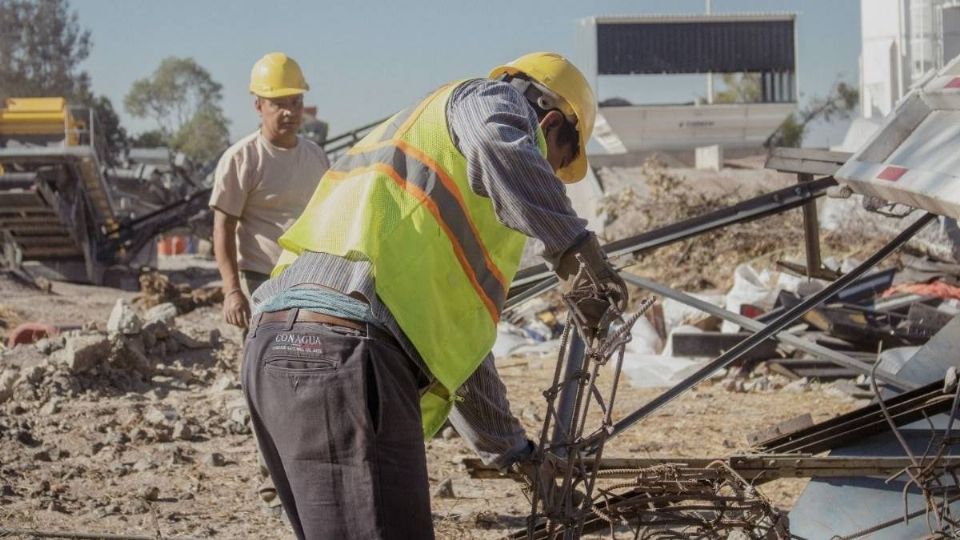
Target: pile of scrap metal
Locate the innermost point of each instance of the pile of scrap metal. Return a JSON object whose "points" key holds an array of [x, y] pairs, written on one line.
{"points": [[152, 178], [887, 470], [65, 213]]}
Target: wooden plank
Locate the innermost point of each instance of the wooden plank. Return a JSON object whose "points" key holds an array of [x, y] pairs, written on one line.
{"points": [[32, 219], [826, 373], [51, 253], [760, 468], [787, 165], [805, 160], [780, 369], [812, 154], [21, 199], [41, 241], [44, 228], [794, 363]]}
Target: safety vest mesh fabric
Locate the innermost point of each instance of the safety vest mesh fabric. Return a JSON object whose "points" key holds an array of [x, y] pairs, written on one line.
{"points": [[441, 259]]}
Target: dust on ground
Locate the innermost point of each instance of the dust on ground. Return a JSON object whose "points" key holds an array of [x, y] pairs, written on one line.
{"points": [[152, 437]]}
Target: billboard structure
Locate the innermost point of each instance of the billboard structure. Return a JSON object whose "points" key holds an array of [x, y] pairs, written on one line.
{"points": [[761, 44]]}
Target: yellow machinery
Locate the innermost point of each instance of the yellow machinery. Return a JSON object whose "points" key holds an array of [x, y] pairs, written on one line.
{"points": [[54, 199], [60, 213], [45, 119]]}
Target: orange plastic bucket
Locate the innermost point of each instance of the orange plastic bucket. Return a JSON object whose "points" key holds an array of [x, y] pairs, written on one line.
{"points": [[164, 246]]}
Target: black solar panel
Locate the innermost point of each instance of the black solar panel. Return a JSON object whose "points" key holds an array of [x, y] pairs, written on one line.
{"points": [[625, 48]]}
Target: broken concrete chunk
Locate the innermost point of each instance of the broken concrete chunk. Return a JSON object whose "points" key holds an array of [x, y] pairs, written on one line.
{"points": [[188, 342], [83, 353], [49, 345], [124, 319], [165, 313]]}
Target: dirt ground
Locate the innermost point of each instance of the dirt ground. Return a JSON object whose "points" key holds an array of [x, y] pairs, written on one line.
{"points": [[170, 454]]}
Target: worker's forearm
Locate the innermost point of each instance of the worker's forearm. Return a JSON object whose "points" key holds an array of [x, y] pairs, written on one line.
{"points": [[497, 133], [225, 250]]}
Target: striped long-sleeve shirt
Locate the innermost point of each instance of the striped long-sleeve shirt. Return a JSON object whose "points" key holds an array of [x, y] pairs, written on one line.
{"points": [[495, 128]]}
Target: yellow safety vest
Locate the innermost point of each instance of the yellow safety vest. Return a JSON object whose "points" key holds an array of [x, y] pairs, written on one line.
{"points": [[441, 259]]}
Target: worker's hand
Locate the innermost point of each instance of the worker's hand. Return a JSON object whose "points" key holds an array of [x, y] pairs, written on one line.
{"points": [[592, 308], [236, 308], [537, 475], [541, 474]]}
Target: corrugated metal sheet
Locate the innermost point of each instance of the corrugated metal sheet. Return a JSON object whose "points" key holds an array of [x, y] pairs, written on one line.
{"points": [[695, 47]]}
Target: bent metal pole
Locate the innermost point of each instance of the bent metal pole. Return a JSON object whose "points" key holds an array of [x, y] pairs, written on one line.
{"points": [[774, 327]]}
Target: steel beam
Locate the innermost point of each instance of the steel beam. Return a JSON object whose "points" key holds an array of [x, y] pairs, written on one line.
{"points": [[758, 207], [754, 468], [905, 408], [789, 317]]}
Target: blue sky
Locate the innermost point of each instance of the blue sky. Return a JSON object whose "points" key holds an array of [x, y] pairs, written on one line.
{"points": [[365, 59]]}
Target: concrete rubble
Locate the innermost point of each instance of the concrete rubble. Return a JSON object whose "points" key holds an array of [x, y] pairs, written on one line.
{"points": [[129, 356]]}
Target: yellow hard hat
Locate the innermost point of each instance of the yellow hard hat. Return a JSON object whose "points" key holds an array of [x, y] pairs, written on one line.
{"points": [[561, 77], [277, 75]]}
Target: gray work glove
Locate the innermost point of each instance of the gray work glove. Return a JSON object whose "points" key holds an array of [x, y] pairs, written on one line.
{"points": [[541, 474], [536, 475], [592, 308]]}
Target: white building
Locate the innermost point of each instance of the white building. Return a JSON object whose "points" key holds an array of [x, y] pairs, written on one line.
{"points": [[903, 40]]}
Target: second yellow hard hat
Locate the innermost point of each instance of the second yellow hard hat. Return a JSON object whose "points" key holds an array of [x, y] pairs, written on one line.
{"points": [[277, 75]]}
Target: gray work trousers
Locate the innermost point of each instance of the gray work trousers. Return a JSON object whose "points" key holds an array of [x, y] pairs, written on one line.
{"points": [[337, 419]]}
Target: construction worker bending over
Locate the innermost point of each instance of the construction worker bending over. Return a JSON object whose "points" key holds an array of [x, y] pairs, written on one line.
{"points": [[261, 185], [382, 311]]}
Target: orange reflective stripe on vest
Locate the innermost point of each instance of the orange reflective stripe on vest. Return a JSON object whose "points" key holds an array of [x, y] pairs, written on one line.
{"points": [[416, 174]]}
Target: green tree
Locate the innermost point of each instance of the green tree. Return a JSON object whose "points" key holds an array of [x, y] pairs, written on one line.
{"points": [[148, 139], [108, 124], [740, 88], [204, 137], [790, 133], [41, 48], [838, 104], [184, 100]]}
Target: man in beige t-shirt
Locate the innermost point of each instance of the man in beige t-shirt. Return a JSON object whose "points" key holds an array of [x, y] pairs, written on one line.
{"points": [[262, 184]]}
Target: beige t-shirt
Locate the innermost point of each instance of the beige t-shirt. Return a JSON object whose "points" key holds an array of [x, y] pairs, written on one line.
{"points": [[266, 187]]}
